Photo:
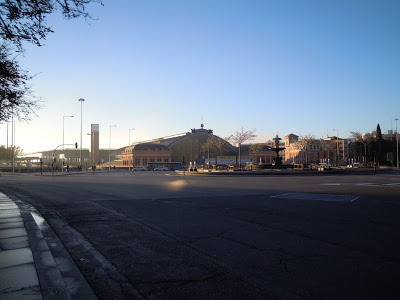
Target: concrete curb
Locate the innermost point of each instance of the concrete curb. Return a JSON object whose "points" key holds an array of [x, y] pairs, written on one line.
{"points": [[50, 279], [58, 275]]}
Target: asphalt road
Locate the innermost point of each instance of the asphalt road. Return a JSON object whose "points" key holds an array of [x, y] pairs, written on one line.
{"points": [[157, 235]]}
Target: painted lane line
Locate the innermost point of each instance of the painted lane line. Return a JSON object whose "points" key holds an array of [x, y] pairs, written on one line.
{"points": [[369, 184]]}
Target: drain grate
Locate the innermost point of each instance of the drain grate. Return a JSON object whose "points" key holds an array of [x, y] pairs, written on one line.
{"points": [[318, 197]]}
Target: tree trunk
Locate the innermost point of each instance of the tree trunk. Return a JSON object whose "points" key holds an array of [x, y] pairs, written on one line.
{"points": [[365, 153], [240, 160]]}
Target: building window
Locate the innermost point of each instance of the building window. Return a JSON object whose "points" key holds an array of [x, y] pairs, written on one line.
{"points": [[166, 160]]}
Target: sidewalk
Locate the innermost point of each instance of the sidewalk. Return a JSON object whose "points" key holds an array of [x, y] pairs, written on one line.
{"points": [[28, 268]]}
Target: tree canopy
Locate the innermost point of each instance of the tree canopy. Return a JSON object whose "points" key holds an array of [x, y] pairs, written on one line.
{"points": [[305, 142], [15, 94], [6, 153], [239, 137], [25, 21]]}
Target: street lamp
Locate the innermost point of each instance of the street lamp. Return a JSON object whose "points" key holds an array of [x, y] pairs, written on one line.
{"points": [[109, 150], [397, 143], [129, 144], [62, 166], [81, 101]]}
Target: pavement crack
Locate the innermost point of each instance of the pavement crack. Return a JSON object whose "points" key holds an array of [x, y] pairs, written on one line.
{"points": [[337, 244], [179, 283], [34, 289]]}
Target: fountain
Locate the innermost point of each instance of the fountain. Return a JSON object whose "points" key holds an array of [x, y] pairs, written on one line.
{"points": [[277, 159]]}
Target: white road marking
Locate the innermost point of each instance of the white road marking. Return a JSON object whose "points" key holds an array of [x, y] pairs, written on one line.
{"points": [[369, 184]]}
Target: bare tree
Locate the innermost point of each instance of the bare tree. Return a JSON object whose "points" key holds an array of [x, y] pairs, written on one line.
{"points": [[255, 148], [26, 21], [328, 146], [239, 137], [304, 143], [364, 139], [219, 144], [15, 94]]}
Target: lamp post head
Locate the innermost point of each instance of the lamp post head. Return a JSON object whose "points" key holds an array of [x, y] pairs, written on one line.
{"points": [[81, 99]]}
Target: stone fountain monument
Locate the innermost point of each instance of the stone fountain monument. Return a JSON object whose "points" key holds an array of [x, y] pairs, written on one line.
{"points": [[277, 159]]}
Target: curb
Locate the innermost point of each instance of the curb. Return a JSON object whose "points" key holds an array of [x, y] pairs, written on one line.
{"points": [[58, 275], [50, 279]]}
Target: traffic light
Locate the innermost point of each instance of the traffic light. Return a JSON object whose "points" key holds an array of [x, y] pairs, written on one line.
{"points": [[76, 145]]}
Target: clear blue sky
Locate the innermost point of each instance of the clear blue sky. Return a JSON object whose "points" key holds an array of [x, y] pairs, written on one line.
{"points": [[303, 67]]}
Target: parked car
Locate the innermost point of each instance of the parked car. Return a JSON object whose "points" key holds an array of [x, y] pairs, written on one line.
{"points": [[139, 169], [161, 169]]}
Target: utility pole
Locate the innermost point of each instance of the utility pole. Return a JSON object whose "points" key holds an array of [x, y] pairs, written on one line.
{"points": [[81, 101], [62, 163]]}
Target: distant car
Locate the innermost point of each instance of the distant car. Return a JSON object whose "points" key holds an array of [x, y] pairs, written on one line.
{"points": [[140, 169], [161, 169]]}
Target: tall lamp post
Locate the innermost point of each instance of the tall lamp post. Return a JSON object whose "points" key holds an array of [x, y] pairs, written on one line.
{"points": [[109, 150], [397, 144], [129, 144], [62, 166], [81, 101]]}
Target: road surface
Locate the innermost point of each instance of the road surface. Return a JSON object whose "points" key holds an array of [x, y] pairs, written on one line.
{"points": [[158, 235]]}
